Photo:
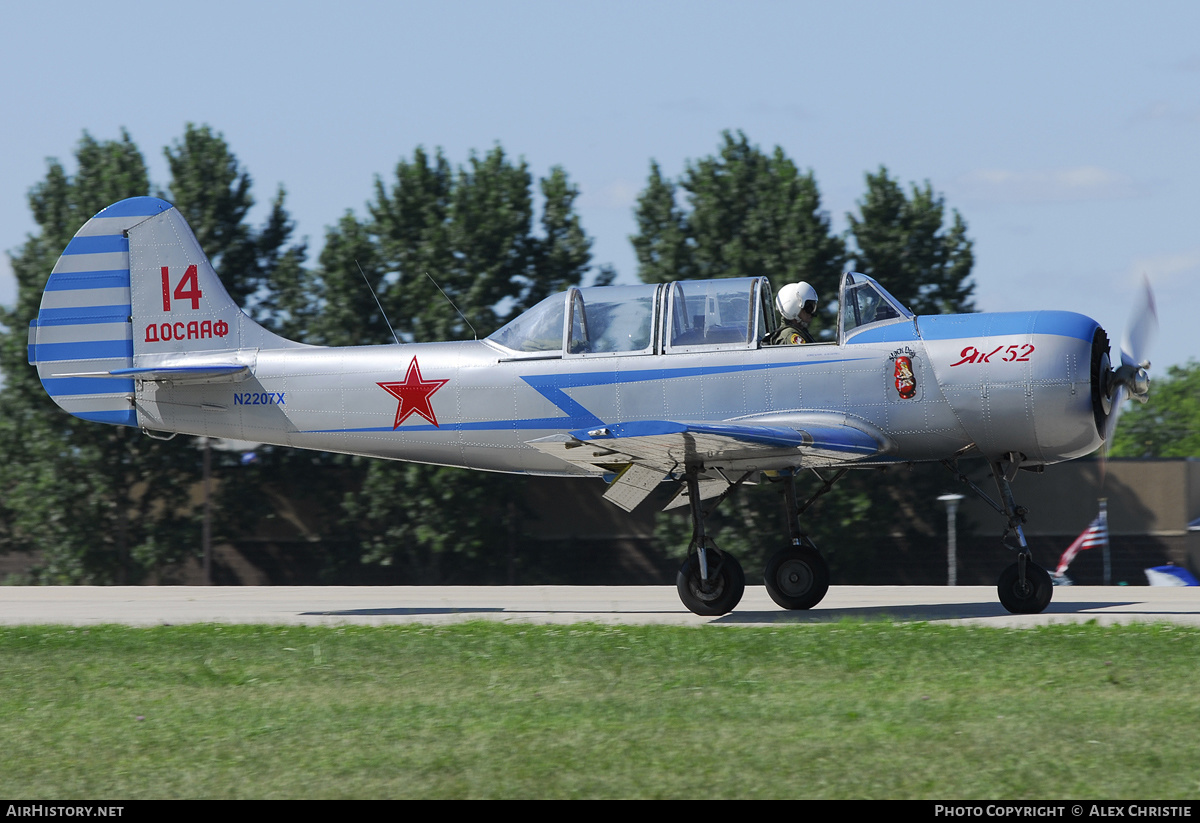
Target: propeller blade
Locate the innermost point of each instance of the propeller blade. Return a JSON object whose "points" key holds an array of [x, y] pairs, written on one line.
{"points": [[1118, 400], [1120, 395], [1141, 329], [1130, 379]]}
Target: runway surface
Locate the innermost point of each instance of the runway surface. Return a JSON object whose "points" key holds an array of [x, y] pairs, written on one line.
{"points": [[384, 605]]}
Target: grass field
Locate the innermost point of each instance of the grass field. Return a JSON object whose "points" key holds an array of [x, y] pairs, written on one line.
{"points": [[485, 710]]}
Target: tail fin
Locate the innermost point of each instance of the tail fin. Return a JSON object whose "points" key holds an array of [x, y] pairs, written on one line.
{"points": [[134, 298]]}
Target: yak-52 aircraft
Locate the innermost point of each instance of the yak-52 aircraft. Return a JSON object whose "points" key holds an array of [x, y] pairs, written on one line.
{"points": [[635, 384]]}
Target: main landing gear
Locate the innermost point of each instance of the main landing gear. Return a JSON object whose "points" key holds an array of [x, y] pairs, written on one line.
{"points": [[711, 582], [1024, 587], [796, 576]]}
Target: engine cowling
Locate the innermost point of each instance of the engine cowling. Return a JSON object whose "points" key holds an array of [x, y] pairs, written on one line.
{"points": [[1029, 383]]}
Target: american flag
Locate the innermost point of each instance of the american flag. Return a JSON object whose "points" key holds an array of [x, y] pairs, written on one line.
{"points": [[1094, 535]]}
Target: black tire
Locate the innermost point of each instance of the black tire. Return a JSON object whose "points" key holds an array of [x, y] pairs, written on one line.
{"points": [[1032, 597], [797, 577], [726, 584]]}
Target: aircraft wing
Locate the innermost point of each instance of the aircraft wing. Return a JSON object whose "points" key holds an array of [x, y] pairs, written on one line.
{"points": [[643, 453]]}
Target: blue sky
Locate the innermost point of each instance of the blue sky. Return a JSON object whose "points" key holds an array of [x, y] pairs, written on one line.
{"points": [[1064, 132]]}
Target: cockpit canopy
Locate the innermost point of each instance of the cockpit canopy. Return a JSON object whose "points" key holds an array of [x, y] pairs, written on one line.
{"points": [[866, 303], [683, 316]]}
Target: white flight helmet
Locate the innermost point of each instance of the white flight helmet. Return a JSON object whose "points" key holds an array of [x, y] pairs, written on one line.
{"points": [[794, 297]]}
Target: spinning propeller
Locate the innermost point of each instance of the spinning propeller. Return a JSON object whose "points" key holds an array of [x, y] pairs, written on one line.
{"points": [[1130, 378]]}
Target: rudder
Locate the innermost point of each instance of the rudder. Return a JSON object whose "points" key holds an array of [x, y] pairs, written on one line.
{"points": [[132, 295]]}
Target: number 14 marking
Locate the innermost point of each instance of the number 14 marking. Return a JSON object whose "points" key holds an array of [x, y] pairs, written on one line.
{"points": [[187, 289]]}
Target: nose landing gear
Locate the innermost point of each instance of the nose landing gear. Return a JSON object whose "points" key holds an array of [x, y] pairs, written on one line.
{"points": [[797, 576], [1024, 587], [1025, 590]]}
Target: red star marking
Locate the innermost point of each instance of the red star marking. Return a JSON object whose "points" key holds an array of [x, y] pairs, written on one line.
{"points": [[413, 394]]}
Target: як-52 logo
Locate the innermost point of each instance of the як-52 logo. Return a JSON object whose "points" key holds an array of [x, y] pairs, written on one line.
{"points": [[1011, 354]]}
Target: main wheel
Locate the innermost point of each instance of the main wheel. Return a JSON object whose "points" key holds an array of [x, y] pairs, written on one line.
{"points": [[724, 589], [797, 577], [1030, 597]]}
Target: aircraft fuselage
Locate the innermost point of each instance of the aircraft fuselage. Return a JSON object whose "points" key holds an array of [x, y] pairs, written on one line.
{"points": [[1003, 383]]}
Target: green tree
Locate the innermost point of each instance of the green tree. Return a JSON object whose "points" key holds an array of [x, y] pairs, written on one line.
{"points": [[902, 241], [663, 243], [748, 214], [101, 503], [257, 267], [1168, 424], [342, 310], [105, 504], [561, 255], [465, 236], [472, 230], [264, 270]]}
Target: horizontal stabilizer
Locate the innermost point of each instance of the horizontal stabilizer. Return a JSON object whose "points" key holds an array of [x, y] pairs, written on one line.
{"points": [[173, 374], [133, 301], [217, 373]]}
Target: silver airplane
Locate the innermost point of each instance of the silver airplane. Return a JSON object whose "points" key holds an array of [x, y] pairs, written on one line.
{"points": [[634, 384]]}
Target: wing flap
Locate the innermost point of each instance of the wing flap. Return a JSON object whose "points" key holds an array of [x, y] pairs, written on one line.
{"points": [[709, 487], [632, 485], [596, 460], [667, 446]]}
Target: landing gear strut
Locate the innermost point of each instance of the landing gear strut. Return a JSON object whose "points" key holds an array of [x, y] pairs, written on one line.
{"points": [[1024, 587], [710, 582], [797, 577], [712, 586]]}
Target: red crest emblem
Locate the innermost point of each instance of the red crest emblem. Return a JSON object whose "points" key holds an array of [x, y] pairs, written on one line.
{"points": [[906, 381]]}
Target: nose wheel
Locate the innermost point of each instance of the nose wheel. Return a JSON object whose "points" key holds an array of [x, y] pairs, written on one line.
{"points": [[1025, 591], [1024, 587]]}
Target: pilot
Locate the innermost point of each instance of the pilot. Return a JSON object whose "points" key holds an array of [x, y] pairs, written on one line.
{"points": [[797, 303]]}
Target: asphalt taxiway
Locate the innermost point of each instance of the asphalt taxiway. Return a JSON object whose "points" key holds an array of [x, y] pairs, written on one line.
{"points": [[383, 605]]}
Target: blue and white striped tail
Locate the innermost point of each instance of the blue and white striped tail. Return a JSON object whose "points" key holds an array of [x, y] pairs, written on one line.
{"points": [[83, 331]]}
